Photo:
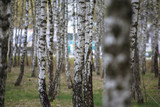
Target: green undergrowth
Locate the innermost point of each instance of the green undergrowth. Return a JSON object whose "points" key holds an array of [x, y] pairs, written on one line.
{"points": [[26, 95]]}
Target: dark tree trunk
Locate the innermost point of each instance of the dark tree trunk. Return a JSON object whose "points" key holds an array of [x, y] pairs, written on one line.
{"points": [[5, 14]]}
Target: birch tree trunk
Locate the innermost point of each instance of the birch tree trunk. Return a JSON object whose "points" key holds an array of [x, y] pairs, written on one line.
{"points": [[144, 32], [19, 79], [68, 75], [154, 67], [134, 52], [116, 54], [5, 14], [34, 61], [98, 39], [60, 36], [50, 50], [79, 56], [41, 56], [87, 75], [33, 26], [74, 25], [11, 35], [87, 69], [16, 36], [34, 40], [27, 63], [21, 30]]}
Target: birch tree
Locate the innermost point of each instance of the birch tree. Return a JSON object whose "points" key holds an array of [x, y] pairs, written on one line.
{"points": [[87, 74], [98, 39], [19, 79], [134, 60], [21, 30], [16, 36], [68, 75], [5, 13], [33, 27], [34, 61], [79, 56], [60, 36], [116, 54], [41, 56], [50, 49], [144, 33], [154, 67], [11, 36]]}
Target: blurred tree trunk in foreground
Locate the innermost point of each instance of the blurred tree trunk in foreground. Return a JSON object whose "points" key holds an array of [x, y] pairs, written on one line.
{"points": [[116, 54], [5, 13]]}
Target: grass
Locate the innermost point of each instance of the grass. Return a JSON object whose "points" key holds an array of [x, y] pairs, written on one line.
{"points": [[26, 95]]}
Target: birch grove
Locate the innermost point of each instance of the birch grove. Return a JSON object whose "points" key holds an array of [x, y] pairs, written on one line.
{"points": [[80, 53]]}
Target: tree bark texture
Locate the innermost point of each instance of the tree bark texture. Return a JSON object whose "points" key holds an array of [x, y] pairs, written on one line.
{"points": [[116, 54], [5, 14], [41, 56], [79, 56]]}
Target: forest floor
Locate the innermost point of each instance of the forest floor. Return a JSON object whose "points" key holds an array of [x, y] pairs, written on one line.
{"points": [[26, 95]]}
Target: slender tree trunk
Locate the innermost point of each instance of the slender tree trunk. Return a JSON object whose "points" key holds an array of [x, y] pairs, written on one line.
{"points": [[144, 32], [79, 57], [11, 36], [41, 56], [98, 39], [154, 67], [50, 50], [21, 30], [5, 13], [116, 35], [16, 36], [74, 25], [60, 36], [33, 36], [33, 26], [134, 52], [34, 61], [19, 79], [27, 63], [68, 75]]}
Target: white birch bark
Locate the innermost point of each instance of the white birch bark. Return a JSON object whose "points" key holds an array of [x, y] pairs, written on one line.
{"points": [[116, 54], [60, 43], [50, 49], [134, 60], [41, 56], [34, 61], [79, 56]]}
